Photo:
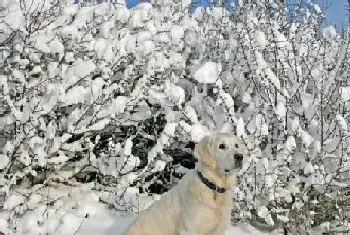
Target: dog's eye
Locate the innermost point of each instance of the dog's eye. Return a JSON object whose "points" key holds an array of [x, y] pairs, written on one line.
{"points": [[236, 146], [222, 146]]}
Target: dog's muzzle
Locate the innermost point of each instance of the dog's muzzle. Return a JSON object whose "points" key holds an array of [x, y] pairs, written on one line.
{"points": [[232, 162]]}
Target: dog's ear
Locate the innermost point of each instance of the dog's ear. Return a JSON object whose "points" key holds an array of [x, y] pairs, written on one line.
{"points": [[204, 149]]}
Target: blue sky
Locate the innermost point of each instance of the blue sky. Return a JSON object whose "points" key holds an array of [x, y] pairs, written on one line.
{"points": [[335, 13]]}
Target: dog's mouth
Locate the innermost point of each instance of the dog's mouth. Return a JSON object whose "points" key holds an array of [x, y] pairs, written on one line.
{"points": [[229, 170], [236, 166]]}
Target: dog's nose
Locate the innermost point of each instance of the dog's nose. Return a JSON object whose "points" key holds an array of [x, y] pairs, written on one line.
{"points": [[238, 157]]}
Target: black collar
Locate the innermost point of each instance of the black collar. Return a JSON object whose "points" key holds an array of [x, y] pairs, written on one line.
{"points": [[211, 185]]}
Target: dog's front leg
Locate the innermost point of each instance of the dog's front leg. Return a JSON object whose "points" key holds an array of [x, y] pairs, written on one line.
{"points": [[197, 219], [190, 224]]}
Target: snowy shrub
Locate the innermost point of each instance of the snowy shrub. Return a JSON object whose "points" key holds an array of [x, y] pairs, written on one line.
{"points": [[114, 100]]}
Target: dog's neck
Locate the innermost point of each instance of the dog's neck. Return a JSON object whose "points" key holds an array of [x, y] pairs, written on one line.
{"points": [[225, 181]]}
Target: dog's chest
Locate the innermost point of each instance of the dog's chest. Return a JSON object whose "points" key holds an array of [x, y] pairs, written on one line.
{"points": [[222, 204], [219, 213], [212, 209]]}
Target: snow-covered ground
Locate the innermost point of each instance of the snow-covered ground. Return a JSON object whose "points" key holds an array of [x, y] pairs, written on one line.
{"points": [[76, 211], [114, 224]]}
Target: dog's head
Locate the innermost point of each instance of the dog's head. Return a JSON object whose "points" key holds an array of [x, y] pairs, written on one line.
{"points": [[221, 152]]}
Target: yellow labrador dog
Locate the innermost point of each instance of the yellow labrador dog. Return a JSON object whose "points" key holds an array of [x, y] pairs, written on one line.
{"points": [[201, 203]]}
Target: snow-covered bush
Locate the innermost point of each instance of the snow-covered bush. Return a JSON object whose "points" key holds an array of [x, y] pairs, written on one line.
{"points": [[116, 99]]}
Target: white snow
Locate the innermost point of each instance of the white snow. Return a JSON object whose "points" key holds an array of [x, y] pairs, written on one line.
{"points": [[191, 113], [198, 131], [70, 223], [295, 124], [246, 98], [306, 100], [345, 93], [177, 33], [329, 32], [208, 72], [57, 47], [13, 201], [175, 93], [80, 69], [119, 104], [112, 223], [41, 44], [99, 47], [75, 95], [281, 110], [128, 146], [265, 69], [317, 8], [159, 165], [316, 73], [97, 126], [170, 128], [342, 122], [281, 40], [190, 37], [309, 169], [306, 138], [240, 127], [3, 224], [290, 144], [4, 160], [263, 213], [4, 3], [14, 19], [260, 37], [24, 158]]}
